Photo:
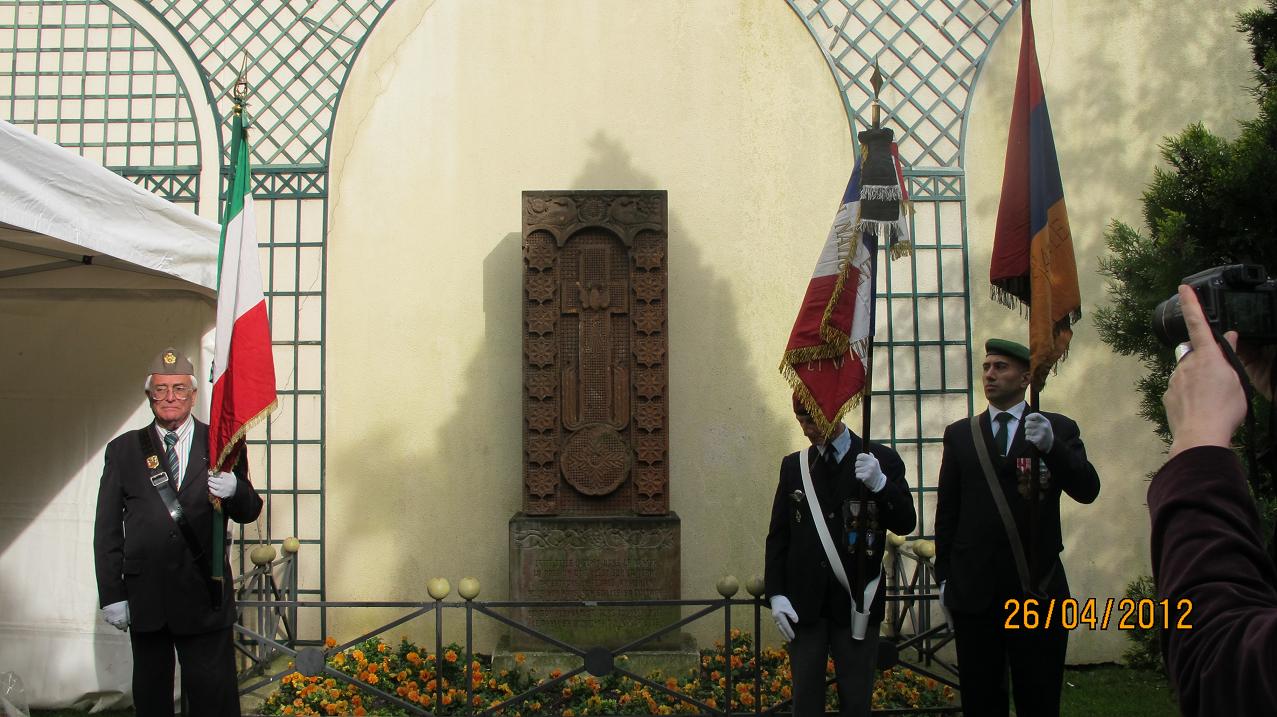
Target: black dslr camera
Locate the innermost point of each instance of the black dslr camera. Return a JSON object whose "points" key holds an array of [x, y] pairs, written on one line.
{"points": [[1237, 297]]}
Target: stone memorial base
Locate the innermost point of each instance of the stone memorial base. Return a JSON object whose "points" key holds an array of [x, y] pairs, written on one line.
{"points": [[595, 558]]}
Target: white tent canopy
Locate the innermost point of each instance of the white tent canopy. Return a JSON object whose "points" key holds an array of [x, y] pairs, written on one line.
{"points": [[62, 213], [97, 275]]}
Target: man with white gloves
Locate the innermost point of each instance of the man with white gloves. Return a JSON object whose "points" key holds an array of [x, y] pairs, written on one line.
{"points": [[152, 546], [857, 493], [979, 568]]}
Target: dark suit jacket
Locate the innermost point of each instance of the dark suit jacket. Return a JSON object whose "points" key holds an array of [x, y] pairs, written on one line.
{"points": [[972, 550], [796, 565], [1208, 550], [140, 553]]}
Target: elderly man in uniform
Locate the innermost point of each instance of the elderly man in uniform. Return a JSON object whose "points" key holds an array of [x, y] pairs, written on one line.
{"points": [[978, 566], [811, 607], [152, 544]]}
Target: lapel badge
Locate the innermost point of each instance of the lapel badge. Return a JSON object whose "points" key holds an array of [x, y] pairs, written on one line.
{"points": [[170, 358], [798, 497], [152, 462]]}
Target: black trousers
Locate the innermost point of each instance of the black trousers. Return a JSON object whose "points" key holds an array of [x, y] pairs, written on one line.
{"points": [[208, 673], [854, 665], [985, 651]]}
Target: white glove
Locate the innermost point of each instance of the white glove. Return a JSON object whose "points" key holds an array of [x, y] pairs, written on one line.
{"points": [[1038, 430], [783, 613], [948, 619], [869, 472], [117, 613], [222, 485]]}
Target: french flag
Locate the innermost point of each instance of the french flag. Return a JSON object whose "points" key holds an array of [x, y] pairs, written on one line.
{"points": [[825, 358]]}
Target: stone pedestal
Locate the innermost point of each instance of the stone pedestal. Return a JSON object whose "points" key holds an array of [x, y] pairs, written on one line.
{"points": [[595, 558]]}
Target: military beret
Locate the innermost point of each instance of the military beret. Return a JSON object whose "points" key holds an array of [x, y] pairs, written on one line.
{"points": [[169, 361], [1003, 347]]}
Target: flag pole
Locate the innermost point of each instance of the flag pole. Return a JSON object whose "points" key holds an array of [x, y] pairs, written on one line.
{"points": [[239, 97], [866, 406]]}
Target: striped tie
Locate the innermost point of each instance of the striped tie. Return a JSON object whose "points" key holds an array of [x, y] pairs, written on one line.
{"points": [[170, 455]]}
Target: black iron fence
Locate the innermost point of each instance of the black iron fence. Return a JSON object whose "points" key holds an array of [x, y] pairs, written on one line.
{"points": [[272, 652]]}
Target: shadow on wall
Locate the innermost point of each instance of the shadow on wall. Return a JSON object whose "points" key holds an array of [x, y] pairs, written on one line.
{"points": [[724, 509]]}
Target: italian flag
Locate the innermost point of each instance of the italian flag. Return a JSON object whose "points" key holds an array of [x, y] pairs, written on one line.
{"points": [[243, 365]]}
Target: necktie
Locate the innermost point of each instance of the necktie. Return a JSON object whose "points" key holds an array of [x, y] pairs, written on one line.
{"points": [[1000, 437], [170, 455], [831, 460]]}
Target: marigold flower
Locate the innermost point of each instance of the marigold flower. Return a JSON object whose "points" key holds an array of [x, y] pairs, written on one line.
{"points": [[360, 712], [556, 674], [413, 657], [519, 657], [450, 655]]}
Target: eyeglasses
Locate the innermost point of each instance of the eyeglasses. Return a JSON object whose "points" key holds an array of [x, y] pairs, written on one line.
{"points": [[180, 391]]}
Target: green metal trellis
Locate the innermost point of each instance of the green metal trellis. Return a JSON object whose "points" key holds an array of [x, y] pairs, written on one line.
{"points": [[931, 52], [85, 74]]}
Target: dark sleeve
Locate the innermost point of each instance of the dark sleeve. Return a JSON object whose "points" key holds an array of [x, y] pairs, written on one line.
{"points": [[1207, 548], [1067, 460], [895, 503], [947, 505], [245, 505], [108, 535], [777, 540]]}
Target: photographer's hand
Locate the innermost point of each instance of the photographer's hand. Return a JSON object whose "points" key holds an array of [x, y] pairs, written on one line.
{"points": [[1204, 401]]}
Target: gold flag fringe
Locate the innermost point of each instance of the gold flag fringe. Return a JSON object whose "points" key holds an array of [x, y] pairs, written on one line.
{"points": [[243, 430], [825, 425]]}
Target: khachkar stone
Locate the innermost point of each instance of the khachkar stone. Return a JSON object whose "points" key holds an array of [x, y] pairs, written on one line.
{"points": [[594, 350], [596, 523]]}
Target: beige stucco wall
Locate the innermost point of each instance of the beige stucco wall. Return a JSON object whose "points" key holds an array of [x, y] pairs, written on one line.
{"points": [[455, 108]]}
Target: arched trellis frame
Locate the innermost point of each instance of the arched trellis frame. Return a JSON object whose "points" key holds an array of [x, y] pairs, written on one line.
{"points": [[931, 54], [98, 77]]}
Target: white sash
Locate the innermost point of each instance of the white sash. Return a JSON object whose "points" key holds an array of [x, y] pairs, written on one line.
{"points": [[859, 620]]}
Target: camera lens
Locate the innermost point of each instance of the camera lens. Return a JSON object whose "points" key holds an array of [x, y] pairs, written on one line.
{"points": [[1168, 322]]}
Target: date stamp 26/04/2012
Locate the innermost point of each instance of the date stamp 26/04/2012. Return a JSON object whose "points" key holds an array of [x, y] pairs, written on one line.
{"points": [[1098, 613]]}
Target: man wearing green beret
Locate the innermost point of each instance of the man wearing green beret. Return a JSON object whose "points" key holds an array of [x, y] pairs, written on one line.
{"points": [[995, 549]]}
